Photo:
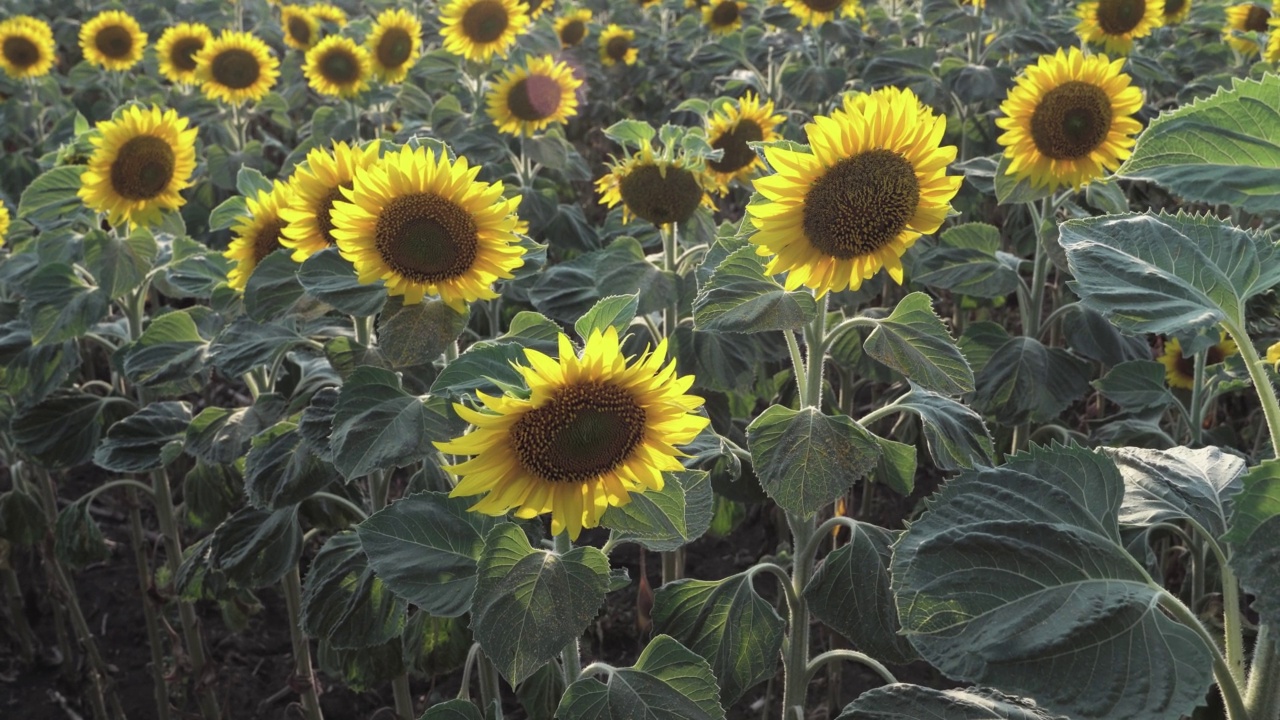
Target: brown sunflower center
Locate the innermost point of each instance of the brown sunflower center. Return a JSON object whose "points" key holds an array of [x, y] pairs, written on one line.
{"points": [[20, 51], [426, 238], [823, 6], [267, 239], [1256, 20], [1187, 365], [1071, 120], [660, 200], [861, 204], [1173, 7], [182, 54], [324, 213], [114, 41], [143, 168], [737, 153], [726, 13], [299, 30], [586, 430], [617, 48], [534, 98], [573, 32], [235, 68], [485, 21], [1117, 17], [340, 67], [394, 48]]}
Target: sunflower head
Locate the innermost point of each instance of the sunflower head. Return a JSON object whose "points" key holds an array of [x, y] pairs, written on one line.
{"points": [[723, 16], [394, 44], [527, 99], [141, 161], [658, 189], [1245, 18], [27, 49], [425, 225], [301, 28], [4, 226], [818, 12], [595, 428], [235, 67], [314, 188], [1272, 52], [731, 129], [337, 66], [1115, 24], [1068, 119], [332, 14], [571, 27], [258, 234], [536, 7], [874, 181], [177, 50], [479, 29], [1180, 372], [1273, 355], [112, 40], [617, 46], [1175, 11]]}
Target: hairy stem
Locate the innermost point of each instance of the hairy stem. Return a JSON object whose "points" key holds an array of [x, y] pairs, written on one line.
{"points": [[292, 587]]}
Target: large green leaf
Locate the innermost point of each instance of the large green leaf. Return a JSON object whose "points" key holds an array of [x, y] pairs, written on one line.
{"points": [[119, 265], [329, 278], [1028, 381], [957, 436], [255, 548], [805, 459], [528, 604], [453, 710], [221, 435], [616, 311], [740, 298], [913, 702], [478, 368], [1255, 539], [1224, 149], [668, 519], [418, 334], [77, 539], [913, 341], [1178, 484], [1137, 386], [246, 344], [1017, 578], [63, 429], [273, 287], [344, 602], [667, 682], [171, 349], [377, 425], [569, 289], [146, 440], [967, 271], [60, 305], [52, 198], [281, 470], [210, 493]]}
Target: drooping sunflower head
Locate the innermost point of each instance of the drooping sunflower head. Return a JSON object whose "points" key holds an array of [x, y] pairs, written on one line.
{"points": [[1245, 18], [479, 29], [723, 16], [527, 99], [654, 189], [258, 234], [27, 48], [1115, 24], [301, 28], [1180, 372], [235, 67], [394, 44], [1175, 11], [337, 66], [326, 12], [731, 129], [425, 225], [141, 161], [112, 40], [177, 50], [617, 46], [1068, 119], [594, 429], [314, 188], [571, 27], [874, 182], [817, 12], [535, 8]]}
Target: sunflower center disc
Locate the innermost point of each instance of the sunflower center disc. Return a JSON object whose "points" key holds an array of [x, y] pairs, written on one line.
{"points": [[485, 21], [661, 200], [394, 48], [143, 168], [324, 215], [182, 55], [426, 238], [1173, 7], [1071, 120], [737, 153], [617, 48], [573, 32], [1117, 17], [339, 68], [861, 204], [115, 42], [1187, 365], [21, 52], [1256, 21], [235, 68], [267, 240], [823, 6], [534, 98], [726, 13], [299, 30], [586, 430]]}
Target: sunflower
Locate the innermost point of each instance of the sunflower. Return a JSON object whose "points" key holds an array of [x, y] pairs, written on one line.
{"points": [[527, 99], [1067, 121], [1180, 372], [112, 40], [479, 29], [653, 189], [616, 46], [4, 228], [724, 16], [257, 234], [301, 28], [338, 66], [236, 67], [425, 225], [1273, 351], [818, 12], [1246, 18], [141, 162], [314, 188], [730, 129], [572, 27], [593, 430], [177, 49], [536, 7], [875, 181], [394, 44], [1115, 24], [1272, 52], [329, 13], [26, 47], [1175, 11]]}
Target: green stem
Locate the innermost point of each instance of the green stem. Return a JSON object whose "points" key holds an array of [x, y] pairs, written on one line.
{"points": [[570, 657], [292, 587], [13, 594], [354, 508], [1263, 697], [364, 330], [795, 649], [137, 538], [1221, 672], [854, 656], [670, 245], [1039, 270], [379, 487], [671, 570], [131, 484], [1196, 412], [815, 340], [1262, 383]]}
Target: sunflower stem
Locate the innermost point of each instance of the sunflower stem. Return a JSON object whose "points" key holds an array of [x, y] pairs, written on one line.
{"points": [[291, 586], [1231, 698], [570, 657], [670, 248], [795, 649], [1263, 696], [363, 326], [1196, 411], [137, 538], [1261, 382], [404, 697]]}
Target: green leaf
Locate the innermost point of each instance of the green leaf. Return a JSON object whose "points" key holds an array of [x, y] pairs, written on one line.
{"points": [[332, 280], [194, 270], [425, 547], [53, 197], [1178, 484], [227, 213], [281, 470], [1224, 149], [740, 298], [634, 134], [668, 519], [139, 442], [255, 548], [957, 436], [850, 593], [567, 290], [344, 602], [972, 236], [1025, 381], [1090, 335], [529, 603], [60, 305], [805, 459], [63, 429], [453, 710], [77, 538], [210, 493], [22, 521], [1014, 191], [966, 271], [419, 334], [667, 681], [616, 310], [364, 669], [912, 702], [377, 425], [1137, 386], [171, 349], [897, 466], [727, 623], [915, 342], [221, 435], [119, 266], [478, 368], [246, 344], [273, 287], [1255, 539], [1016, 577], [250, 182]]}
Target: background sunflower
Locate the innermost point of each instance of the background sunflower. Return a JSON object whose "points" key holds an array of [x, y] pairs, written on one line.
{"points": [[112, 40], [1115, 24], [394, 44], [1245, 18], [27, 48], [4, 223], [1175, 11], [235, 67], [723, 17], [257, 234], [141, 161], [655, 189], [617, 46], [301, 28], [817, 12], [337, 66], [528, 98], [315, 187], [731, 128], [177, 48], [1180, 372], [480, 29], [571, 27]]}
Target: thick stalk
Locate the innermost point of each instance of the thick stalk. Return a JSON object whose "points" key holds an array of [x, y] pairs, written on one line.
{"points": [[404, 697], [570, 657], [1221, 672], [1263, 697], [13, 595], [1262, 383], [1196, 411], [815, 340], [138, 539], [292, 587], [795, 651], [670, 245], [364, 330]]}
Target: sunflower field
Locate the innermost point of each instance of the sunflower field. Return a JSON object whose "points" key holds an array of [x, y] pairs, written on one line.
{"points": [[640, 360]]}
